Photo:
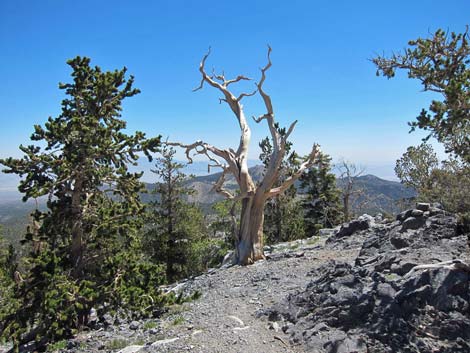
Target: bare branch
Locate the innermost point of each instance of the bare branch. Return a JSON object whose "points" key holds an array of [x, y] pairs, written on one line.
{"points": [[239, 98], [218, 186], [266, 98], [201, 68], [312, 158], [203, 148], [455, 264], [239, 78], [289, 131], [220, 77], [260, 118]]}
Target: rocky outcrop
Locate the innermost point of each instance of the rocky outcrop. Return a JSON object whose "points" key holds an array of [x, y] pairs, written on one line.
{"points": [[407, 291], [373, 286]]}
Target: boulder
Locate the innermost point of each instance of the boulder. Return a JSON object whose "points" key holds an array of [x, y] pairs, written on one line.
{"points": [[386, 302], [413, 223], [352, 227], [423, 206], [417, 213]]}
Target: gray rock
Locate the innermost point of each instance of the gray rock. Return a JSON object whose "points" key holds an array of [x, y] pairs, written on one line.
{"points": [[435, 211], [326, 232], [400, 240], [93, 316], [367, 218], [131, 349], [422, 206], [417, 213], [154, 331], [413, 223], [229, 258], [403, 267], [274, 326], [368, 307], [404, 215], [107, 319], [134, 325], [352, 227]]}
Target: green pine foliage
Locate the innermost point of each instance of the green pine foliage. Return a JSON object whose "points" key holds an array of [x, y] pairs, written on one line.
{"points": [[322, 204], [415, 167], [441, 63], [225, 221], [447, 183], [283, 219], [8, 268], [176, 235], [84, 249]]}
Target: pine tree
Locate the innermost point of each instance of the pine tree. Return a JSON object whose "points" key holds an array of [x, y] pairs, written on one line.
{"points": [[84, 246], [8, 269], [176, 225], [283, 220], [441, 64], [226, 220], [322, 205]]}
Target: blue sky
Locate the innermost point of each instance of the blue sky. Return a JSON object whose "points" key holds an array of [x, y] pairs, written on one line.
{"points": [[321, 74]]}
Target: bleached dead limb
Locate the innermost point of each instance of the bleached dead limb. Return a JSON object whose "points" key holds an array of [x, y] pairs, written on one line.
{"points": [[238, 320], [452, 265], [241, 328], [249, 235], [218, 186], [200, 147], [278, 141], [311, 160], [282, 340]]}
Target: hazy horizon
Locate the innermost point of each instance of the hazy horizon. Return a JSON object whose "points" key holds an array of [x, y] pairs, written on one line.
{"points": [[9, 182], [321, 74]]}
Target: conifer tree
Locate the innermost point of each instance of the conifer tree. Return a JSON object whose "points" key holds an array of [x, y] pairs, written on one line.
{"points": [[8, 269], [322, 205], [226, 220], [176, 225], [283, 219], [441, 63], [83, 248], [415, 167]]}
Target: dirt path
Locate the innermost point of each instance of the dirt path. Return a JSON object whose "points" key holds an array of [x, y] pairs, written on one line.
{"points": [[224, 319]]}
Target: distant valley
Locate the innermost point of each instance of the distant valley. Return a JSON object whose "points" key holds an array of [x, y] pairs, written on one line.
{"points": [[378, 195]]}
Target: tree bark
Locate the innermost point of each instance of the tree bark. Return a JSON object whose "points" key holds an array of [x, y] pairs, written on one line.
{"points": [[76, 246], [250, 236]]}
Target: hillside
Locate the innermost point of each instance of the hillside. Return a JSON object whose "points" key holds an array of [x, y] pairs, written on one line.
{"points": [[381, 196], [389, 286]]}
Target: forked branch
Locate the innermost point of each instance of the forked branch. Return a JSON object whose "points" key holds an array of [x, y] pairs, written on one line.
{"points": [[312, 159]]}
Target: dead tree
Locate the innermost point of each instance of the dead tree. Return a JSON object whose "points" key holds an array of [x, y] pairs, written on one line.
{"points": [[249, 234], [350, 192]]}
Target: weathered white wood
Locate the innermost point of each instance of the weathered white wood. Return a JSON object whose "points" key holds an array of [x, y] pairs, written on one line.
{"points": [[249, 239]]}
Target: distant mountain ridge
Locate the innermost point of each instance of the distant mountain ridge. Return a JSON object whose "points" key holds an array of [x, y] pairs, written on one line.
{"points": [[382, 194]]}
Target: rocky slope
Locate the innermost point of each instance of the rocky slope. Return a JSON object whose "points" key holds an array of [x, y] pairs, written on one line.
{"points": [[407, 291], [372, 286]]}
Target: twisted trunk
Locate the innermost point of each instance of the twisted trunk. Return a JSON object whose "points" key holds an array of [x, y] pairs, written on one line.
{"points": [[250, 236]]}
